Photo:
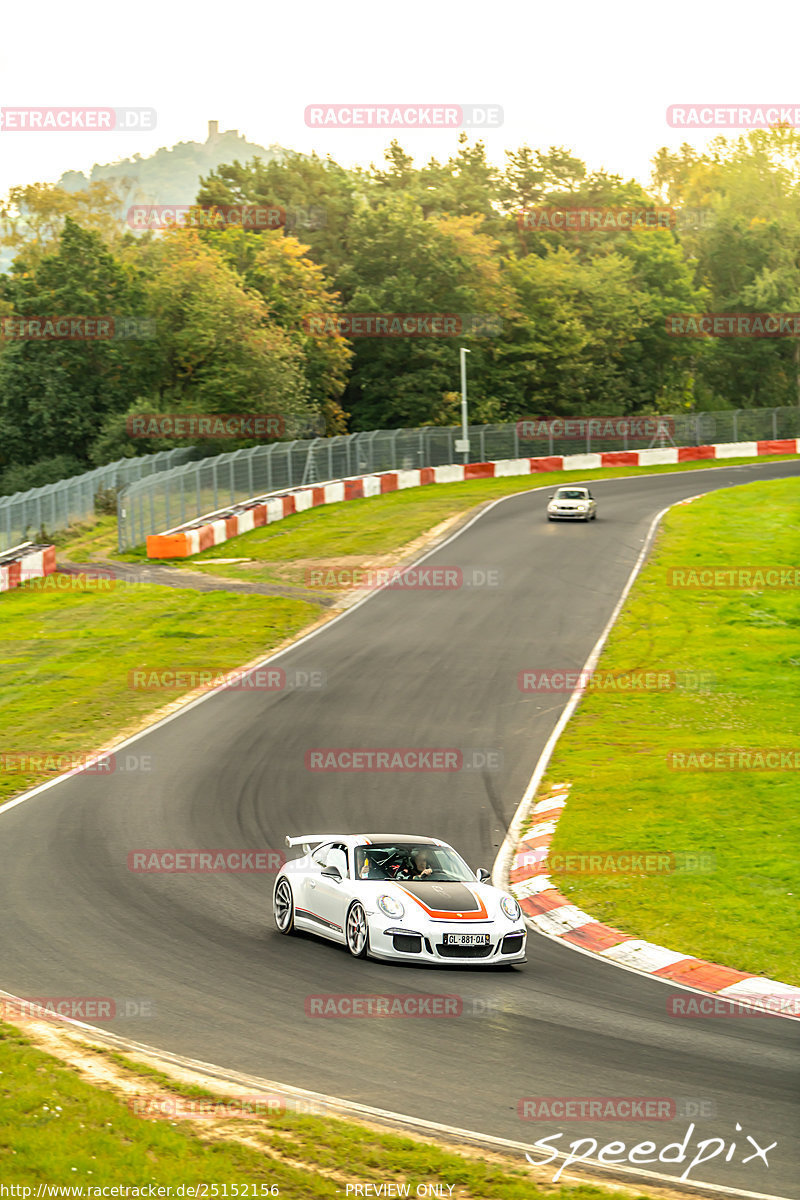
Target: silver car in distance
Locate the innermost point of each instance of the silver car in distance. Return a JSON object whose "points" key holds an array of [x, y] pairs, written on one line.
{"points": [[572, 504]]}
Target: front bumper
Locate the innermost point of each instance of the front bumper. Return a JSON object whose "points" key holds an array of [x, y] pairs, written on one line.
{"points": [[568, 514], [409, 945]]}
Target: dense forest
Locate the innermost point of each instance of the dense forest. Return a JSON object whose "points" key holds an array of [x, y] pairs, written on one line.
{"points": [[561, 281]]}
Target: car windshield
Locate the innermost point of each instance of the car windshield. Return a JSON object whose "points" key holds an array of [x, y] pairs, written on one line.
{"points": [[411, 860], [570, 494]]}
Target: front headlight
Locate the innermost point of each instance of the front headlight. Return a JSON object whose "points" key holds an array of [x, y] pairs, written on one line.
{"points": [[581, 508], [391, 907], [510, 908]]}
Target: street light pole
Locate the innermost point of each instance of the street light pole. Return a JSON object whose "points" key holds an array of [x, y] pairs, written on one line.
{"points": [[464, 446]]}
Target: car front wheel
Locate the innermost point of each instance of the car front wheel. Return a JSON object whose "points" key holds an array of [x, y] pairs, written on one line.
{"points": [[357, 931], [283, 906]]}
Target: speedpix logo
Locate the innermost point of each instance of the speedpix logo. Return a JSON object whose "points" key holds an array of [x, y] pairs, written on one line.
{"points": [[613, 1153]]}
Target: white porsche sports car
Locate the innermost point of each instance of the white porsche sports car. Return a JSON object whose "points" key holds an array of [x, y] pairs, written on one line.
{"points": [[393, 896]]}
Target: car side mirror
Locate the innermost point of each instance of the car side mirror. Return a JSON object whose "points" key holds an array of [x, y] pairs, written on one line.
{"points": [[332, 873], [483, 875], [551, 497]]}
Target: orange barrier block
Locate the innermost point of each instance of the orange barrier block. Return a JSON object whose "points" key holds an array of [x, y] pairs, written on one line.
{"points": [[169, 545]]}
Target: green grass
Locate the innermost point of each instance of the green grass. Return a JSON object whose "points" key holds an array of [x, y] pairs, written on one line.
{"points": [[378, 525], [373, 526], [57, 1129], [65, 658], [624, 797]]}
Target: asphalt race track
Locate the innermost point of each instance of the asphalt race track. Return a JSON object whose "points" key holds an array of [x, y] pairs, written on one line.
{"points": [[404, 669]]}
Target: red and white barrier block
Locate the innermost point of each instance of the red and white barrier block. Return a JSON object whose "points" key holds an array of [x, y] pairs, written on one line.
{"points": [[553, 914], [24, 563], [218, 527]]}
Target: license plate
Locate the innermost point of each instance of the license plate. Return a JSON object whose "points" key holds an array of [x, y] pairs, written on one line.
{"points": [[466, 939]]}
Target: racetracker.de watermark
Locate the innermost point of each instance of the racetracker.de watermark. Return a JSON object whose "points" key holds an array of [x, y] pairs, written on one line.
{"points": [[142, 217], [599, 220], [43, 762], [733, 325], [403, 760], [402, 325], [617, 862], [433, 579], [404, 116], [560, 681], [76, 328], [564, 681], [597, 427], [754, 1004], [725, 578], [732, 116], [206, 216], [736, 758], [205, 425], [155, 861], [76, 120], [98, 579], [613, 1108], [171, 1108], [350, 1005], [261, 679], [74, 1008]]}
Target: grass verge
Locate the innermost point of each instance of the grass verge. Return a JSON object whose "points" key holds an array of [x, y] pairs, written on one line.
{"points": [[377, 526], [737, 905], [59, 1128], [66, 659]]}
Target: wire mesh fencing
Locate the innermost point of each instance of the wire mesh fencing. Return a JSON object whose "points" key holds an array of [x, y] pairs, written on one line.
{"points": [[45, 510], [183, 493]]}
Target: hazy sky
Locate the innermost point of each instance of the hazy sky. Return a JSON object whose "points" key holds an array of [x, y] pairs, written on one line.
{"points": [[594, 77]]}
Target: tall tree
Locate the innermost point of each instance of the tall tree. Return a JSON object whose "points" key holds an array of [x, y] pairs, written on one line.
{"points": [[54, 394]]}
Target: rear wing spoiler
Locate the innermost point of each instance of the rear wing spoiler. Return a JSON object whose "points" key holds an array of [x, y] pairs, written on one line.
{"points": [[307, 840]]}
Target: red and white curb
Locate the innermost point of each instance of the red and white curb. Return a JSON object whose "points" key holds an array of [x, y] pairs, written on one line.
{"points": [[553, 914], [24, 563], [212, 530]]}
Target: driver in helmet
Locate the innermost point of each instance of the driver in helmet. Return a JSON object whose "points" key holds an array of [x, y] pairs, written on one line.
{"points": [[423, 865]]}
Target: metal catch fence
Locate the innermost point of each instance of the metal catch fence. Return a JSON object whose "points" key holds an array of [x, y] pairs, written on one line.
{"points": [[45, 510], [163, 501]]}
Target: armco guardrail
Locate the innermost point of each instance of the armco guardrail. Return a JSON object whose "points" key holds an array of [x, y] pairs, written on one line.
{"points": [[59, 505], [187, 492], [217, 527]]}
